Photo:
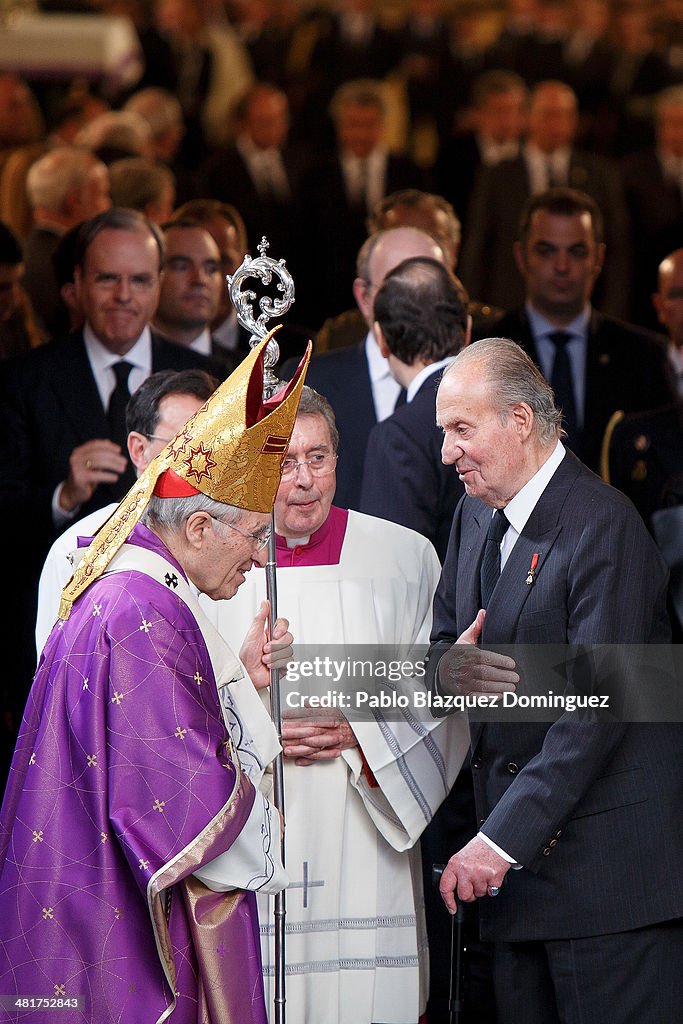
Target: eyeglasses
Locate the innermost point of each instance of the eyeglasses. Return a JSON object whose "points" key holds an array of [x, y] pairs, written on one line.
{"points": [[260, 538], [138, 283], [155, 437], [319, 465]]}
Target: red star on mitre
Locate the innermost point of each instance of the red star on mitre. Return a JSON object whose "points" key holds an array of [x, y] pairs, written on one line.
{"points": [[179, 444], [200, 462]]}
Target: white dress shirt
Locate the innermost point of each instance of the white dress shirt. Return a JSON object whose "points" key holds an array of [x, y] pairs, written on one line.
{"points": [[539, 164], [101, 362], [266, 168], [541, 329], [426, 371], [202, 343], [385, 390], [365, 177]]}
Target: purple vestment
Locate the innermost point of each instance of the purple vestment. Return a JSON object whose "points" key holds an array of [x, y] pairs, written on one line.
{"points": [[121, 786]]}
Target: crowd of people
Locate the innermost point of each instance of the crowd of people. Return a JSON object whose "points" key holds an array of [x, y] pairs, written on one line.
{"points": [[482, 210]]}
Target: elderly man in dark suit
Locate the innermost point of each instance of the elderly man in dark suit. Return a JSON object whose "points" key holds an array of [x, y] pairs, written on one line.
{"points": [[589, 926], [595, 363], [62, 406]]}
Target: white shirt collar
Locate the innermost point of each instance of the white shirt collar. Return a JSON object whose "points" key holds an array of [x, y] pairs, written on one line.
{"points": [[385, 390], [100, 357], [519, 509], [493, 152], [377, 364], [248, 149], [227, 334], [426, 371], [101, 360], [202, 343], [542, 327]]}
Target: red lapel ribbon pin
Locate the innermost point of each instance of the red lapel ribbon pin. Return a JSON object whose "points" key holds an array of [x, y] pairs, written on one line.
{"points": [[531, 575]]}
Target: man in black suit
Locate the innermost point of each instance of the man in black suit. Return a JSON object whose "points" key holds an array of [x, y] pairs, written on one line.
{"points": [[356, 380], [337, 194], [596, 364], [421, 323], [548, 159], [258, 173], [62, 406], [653, 184], [578, 863], [498, 109]]}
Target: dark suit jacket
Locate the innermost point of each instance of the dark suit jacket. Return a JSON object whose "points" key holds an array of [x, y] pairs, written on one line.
{"points": [[40, 281], [404, 479], [50, 405], [626, 368], [487, 265], [455, 171], [655, 210], [581, 805], [343, 377], [228, 180], [330, 232]]}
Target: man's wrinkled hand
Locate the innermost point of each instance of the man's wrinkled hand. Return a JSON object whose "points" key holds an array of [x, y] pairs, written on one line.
{"points": [[259, 654], [470, 872], [315, 734], [468, 669]]}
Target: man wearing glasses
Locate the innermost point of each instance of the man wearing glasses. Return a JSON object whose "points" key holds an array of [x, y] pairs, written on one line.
{"points": [[358, 793], [62, 408]]}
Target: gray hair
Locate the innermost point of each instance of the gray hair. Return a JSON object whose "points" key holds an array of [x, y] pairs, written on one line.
{"points": [[173, 513], [513, 378], [313, 404], [136, 181], [51, 178], [119, 129], [160, 109]]}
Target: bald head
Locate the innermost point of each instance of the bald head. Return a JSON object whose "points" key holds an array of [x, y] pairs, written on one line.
{"points": [[384, 251], [668, 299]]}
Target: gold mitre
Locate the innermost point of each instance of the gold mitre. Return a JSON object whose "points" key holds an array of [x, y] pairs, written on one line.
{"points": [[231, 450]]}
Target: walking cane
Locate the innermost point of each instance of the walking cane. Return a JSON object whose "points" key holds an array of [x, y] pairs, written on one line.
{"points": [[455, 996], [263, 268]]}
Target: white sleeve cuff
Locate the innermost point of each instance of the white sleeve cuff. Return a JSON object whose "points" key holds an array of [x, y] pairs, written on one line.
{"points": [[59, 516], [253, 861], [497, 849]]}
